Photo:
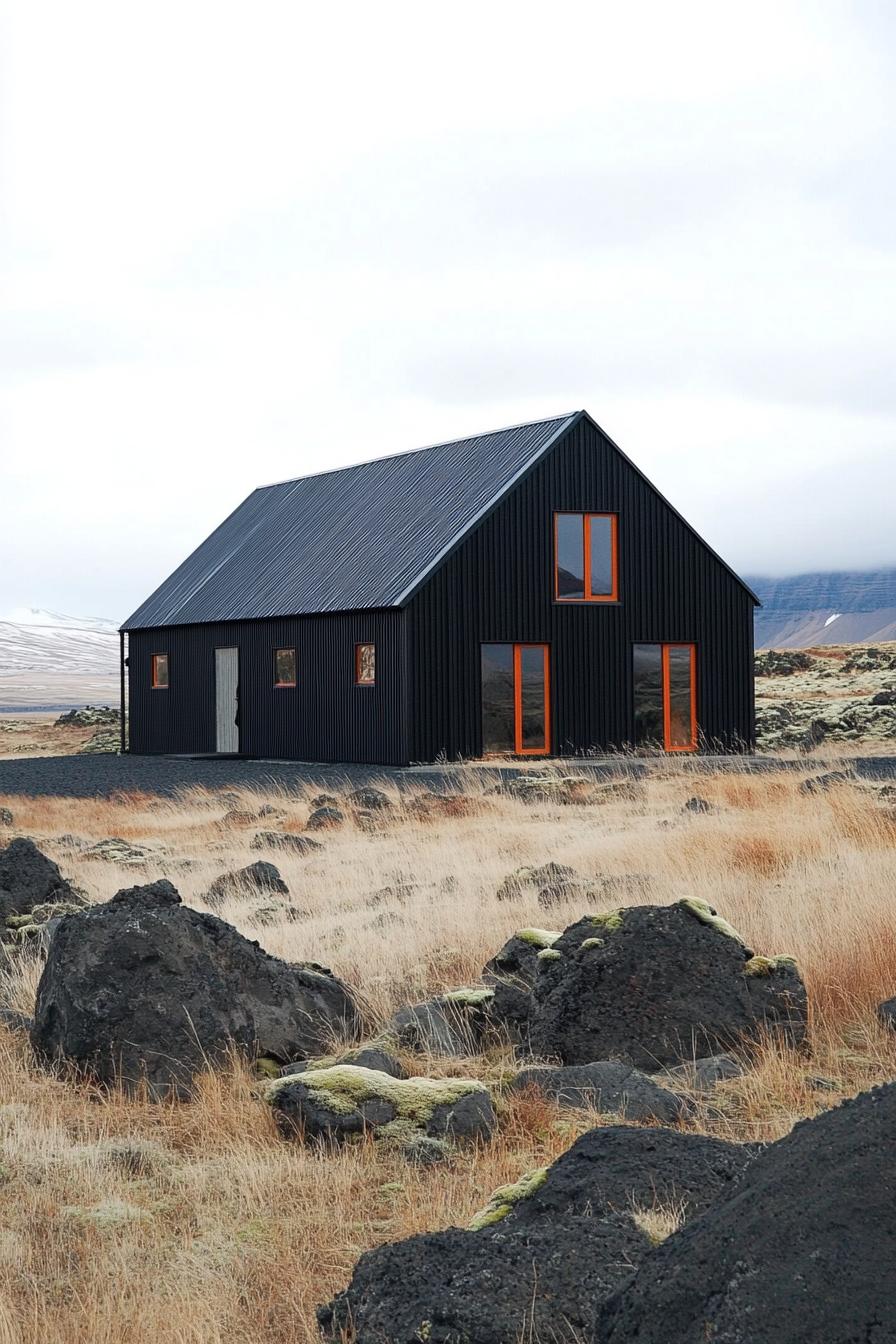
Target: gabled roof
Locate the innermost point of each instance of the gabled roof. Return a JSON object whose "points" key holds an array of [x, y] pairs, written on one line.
{"points": [[363, 537], [360, 537]]}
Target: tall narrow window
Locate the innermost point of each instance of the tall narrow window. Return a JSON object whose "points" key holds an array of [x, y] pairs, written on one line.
{"points": [[160, 672], [365, 664], [516, 699], [586, 563], [284, 667], [665, 696]]}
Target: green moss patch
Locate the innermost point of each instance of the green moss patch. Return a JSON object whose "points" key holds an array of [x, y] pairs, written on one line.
{"points": [[538, 937], [763, 966], [504, 1198], [706, 915], [609, 921], [468, 998]]}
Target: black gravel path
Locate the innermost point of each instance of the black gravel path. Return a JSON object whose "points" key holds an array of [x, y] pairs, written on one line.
{"points": [[101, 776]]}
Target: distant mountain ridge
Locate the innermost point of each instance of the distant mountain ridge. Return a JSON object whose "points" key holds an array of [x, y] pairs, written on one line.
{"points": [[835, 607]]}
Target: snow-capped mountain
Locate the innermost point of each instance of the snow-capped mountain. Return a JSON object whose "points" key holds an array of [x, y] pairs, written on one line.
{"points": [[56, 620], [48, 659]]}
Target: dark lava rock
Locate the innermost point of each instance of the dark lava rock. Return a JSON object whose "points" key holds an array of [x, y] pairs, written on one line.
{"points": [[368, 1057], [803, 1250], [441, 806], [326, 819], [372, 1057], [616, 1167], [701, 1075], [345, 1100], [88, 717], [880, 698], [6, 817], [285, 840], [499, 1287], [517, 961], [369, 800], [462, 1021], [28, 878], [452, 1024], [259, 876], [774, 663], [887, 1014], [422, 1151], [324, 800], [142, 987], [547, 1251], [509, 1012], [698, 805], [824, 783], [655, 985], [606, 1086], [14, 1021], [237, 817], [525, 880]]}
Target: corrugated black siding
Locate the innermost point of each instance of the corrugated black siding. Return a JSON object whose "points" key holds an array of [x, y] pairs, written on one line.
{"points": [[498, 586], [324, 718]]}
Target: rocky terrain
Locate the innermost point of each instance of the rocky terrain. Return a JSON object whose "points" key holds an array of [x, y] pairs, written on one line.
{"points": [[842, 697], [590, 1061], [86, 730]]}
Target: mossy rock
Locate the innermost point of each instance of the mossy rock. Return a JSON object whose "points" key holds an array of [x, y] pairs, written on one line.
{"points": [[517, 960], [345, 1100], [653, 986]]}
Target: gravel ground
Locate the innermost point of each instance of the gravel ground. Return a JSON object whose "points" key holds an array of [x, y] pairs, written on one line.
{"points": [[102, 776]]}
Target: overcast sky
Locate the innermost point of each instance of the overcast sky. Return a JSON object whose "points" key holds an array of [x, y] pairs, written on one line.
{"points": [[240, 242]]}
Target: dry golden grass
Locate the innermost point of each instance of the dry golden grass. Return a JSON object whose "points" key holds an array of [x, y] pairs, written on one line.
{"points": [[124, 1222]]}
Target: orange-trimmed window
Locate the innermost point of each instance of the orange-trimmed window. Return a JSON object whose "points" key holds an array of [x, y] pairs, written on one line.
{"points": [[586, 557], [160, 672], [516, 699], [665, 696], [365, 664], [284, 667]]}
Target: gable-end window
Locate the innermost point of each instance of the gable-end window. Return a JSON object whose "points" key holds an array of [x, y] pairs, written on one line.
{"points": [[284, 667], [586, 557], [160, 672], [365, 664]]}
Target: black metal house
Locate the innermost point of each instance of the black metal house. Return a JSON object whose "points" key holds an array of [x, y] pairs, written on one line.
{"points": [[525, 592]]}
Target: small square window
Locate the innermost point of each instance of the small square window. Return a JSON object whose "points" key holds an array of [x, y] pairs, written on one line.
{"points": [[365, 664], [285, 667], [160, 671]]}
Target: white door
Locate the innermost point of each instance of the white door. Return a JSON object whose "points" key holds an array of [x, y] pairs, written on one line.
{"points": [[227, 675]]}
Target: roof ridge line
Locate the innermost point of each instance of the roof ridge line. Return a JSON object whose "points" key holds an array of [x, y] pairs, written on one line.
{"points": [[409, 452]]}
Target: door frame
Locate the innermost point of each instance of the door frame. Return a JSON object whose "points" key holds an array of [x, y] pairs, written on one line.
{"points": [[228, 648], [517, 648], [667, 701]]}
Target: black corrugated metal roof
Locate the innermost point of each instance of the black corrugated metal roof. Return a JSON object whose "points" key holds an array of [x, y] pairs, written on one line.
{"points": [[365, 536]]}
